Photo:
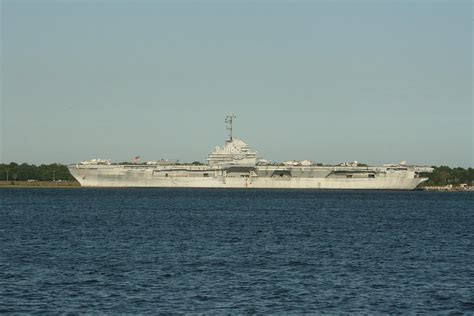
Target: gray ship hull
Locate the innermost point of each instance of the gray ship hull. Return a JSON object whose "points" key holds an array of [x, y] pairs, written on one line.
{"points": [[268, 178]]}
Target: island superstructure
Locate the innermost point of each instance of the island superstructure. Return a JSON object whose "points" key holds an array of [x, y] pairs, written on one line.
{"points": [[235, 165]]}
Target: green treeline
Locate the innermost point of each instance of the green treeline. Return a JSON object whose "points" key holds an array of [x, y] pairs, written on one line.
{"points": [[442, 175], [23, 172]]}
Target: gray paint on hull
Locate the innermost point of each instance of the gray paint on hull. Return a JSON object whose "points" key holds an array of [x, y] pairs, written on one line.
{"points": [[120, 176]]}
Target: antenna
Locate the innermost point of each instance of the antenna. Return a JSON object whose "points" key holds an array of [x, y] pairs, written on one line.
{"points": [[228, 121]]}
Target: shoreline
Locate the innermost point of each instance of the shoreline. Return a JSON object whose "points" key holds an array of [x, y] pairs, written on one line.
{"points": [[447, 188], [39, 184], [75, 184]]}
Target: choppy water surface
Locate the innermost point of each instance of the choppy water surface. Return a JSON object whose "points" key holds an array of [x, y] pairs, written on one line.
{"points": [[235, 251]]}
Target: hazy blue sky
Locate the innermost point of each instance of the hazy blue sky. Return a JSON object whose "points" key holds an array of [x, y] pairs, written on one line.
{"points": [[330, 81]]}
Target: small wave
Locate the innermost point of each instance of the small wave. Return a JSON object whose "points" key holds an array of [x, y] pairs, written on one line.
{"points": [[201, 297], [469, 305], [297, 263]]}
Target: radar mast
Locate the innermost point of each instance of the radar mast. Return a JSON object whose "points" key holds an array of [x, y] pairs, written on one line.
{"points": [[228, 121]]}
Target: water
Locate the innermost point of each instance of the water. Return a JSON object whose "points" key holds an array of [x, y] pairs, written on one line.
{"points": [[235, 251]]}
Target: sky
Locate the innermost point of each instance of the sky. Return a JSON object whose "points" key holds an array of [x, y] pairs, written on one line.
{"points": [[328, 81]]}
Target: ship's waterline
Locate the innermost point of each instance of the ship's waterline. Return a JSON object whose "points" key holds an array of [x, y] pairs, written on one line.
{"points": [[236, 166]]}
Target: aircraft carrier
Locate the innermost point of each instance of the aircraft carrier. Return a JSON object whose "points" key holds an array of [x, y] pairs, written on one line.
{"points": [[235, 165]]}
